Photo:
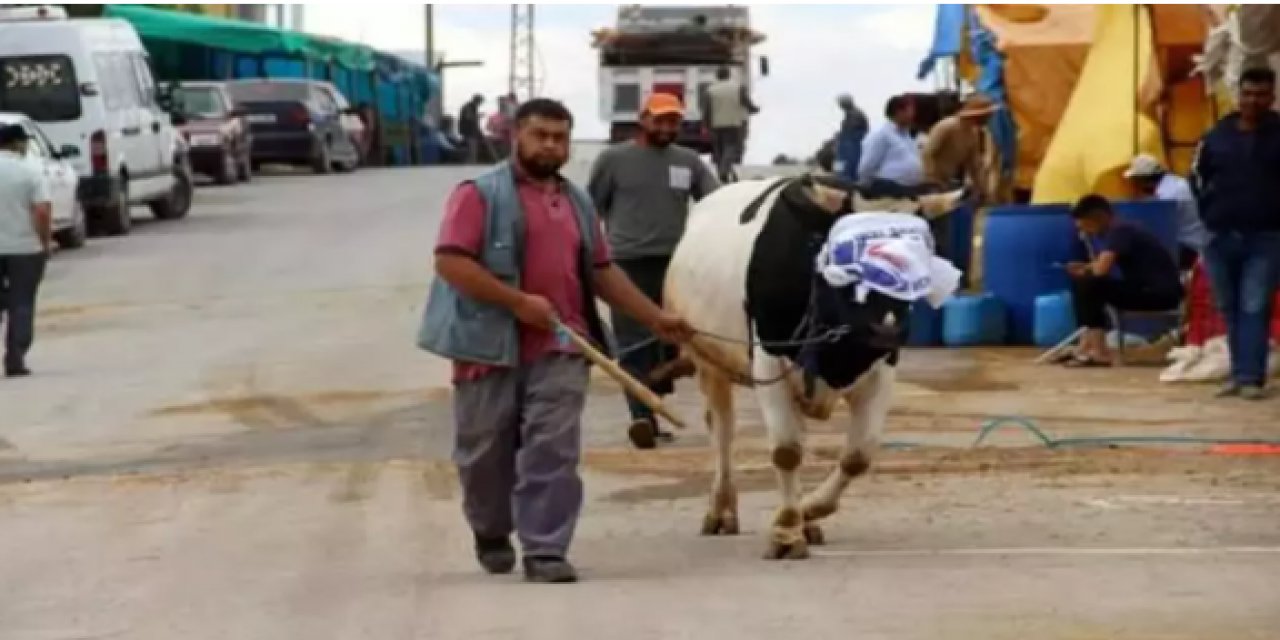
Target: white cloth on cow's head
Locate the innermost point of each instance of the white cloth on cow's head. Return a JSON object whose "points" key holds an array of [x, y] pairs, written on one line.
{"points": [[891, 253]]}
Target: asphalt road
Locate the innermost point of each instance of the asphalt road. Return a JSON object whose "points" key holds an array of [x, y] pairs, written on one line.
{"points": [[231, 435]]}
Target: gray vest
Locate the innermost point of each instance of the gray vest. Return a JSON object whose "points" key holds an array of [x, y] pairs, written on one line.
{"points": [[459, 328], [724, 97]]}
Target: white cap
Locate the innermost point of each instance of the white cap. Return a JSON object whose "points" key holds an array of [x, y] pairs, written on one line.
{"points": [[1144, 165]]}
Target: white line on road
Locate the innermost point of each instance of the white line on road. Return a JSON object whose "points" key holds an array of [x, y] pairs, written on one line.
{"points": [[1053, 551]]}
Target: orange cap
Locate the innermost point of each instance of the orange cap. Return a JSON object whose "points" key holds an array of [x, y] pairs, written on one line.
{"points": [[660, 104]]}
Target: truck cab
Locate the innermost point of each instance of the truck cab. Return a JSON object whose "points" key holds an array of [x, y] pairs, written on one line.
{"points": [[674, 50]]}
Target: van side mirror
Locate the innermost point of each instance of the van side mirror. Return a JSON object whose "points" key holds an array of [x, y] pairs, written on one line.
{"points": [[764, 65], [69, 151]]}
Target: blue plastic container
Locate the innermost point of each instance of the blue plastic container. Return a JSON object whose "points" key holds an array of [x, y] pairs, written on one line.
{"points": [[1020, 247], [969, 321], [926, 325], [953, 234], [1055, 318]]}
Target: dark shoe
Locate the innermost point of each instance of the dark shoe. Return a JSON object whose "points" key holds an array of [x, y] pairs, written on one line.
{"points": [[548, 569], [19, 371], [1228, 390], [643, 433], [1253, 392], [495, 554]]}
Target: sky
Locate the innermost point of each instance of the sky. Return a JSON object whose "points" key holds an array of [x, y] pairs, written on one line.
{"points": [[815, 52]]}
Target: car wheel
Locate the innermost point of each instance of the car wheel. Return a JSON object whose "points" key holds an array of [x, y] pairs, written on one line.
{"points": [[75, 236], [229, 173], [322, 163], [178, 202], [116, 219]]}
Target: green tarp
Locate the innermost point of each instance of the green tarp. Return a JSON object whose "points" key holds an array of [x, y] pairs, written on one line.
{"points": [[238, 35]]}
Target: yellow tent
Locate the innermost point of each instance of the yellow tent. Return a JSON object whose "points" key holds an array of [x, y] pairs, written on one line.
{"points": [[1133, 95]]}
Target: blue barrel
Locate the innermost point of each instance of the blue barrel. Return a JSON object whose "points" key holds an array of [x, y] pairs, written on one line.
{"points": [[973, 320], [1160, 217], [1020, 248], [953, 234], [1055, 318], [926, 325]]}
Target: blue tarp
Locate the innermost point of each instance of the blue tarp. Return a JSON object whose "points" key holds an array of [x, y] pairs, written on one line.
{"points": [[991, 82], [948, 36]]}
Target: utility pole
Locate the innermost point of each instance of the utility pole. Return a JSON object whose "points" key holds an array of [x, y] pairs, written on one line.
{"points": [[521, 78], [436, 62]]}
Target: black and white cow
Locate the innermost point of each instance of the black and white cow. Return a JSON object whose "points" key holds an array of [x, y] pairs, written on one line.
{"points": [[745, 272]]}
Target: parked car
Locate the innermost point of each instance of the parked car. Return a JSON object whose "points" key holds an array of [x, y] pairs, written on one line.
{"points": [[296, 122], [60, 175], [88, 82], [215, 130]]}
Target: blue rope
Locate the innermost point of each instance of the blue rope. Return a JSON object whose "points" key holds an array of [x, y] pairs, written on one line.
{"points": [[1028, 424]]}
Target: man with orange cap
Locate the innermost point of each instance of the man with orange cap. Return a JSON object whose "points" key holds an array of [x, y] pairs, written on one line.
{"points": [[642, 188]]}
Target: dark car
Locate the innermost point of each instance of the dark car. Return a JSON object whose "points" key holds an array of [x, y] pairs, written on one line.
{"points": [[296, 122], [217, 133]]}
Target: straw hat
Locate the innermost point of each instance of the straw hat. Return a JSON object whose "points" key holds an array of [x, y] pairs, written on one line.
{"points": [[977, 105]]}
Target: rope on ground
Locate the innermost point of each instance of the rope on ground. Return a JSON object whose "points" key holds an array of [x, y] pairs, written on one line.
{"points": [[1029, 425]]}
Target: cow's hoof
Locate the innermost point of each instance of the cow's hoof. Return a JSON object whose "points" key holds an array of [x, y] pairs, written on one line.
{"points": [[720, 525], [813, 534], [798, 550]]}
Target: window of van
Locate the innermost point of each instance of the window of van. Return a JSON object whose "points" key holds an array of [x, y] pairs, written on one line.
{"points": [[44, 88], [118, 81]]}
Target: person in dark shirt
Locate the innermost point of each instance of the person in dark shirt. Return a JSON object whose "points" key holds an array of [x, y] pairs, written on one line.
{"points": [[1132, 271], [1236, 177], [469, 128]]}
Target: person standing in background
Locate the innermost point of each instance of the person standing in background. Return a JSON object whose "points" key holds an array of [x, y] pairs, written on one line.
{"points": [[890, 165], [853, 129], [469, 128], [26, 238], [643, 188], [1236, 176], [726, 107], [957, 144]]}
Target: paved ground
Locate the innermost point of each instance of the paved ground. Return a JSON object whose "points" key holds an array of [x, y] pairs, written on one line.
{"points": [[231, 436]]}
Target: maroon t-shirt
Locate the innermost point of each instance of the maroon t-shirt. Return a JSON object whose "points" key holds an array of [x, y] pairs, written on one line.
{"points": [[550, 269]]}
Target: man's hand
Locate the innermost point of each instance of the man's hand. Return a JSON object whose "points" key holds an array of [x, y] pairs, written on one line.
{"points": [[671, 328], [536, 311], [1077, 269]]}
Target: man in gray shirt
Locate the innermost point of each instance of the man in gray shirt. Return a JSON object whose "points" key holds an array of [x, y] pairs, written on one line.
{"points": [[642, 189], [25, 239]]}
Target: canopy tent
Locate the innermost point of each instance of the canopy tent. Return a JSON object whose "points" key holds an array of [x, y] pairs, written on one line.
{"points": [[238, 36], [1039, 58]]}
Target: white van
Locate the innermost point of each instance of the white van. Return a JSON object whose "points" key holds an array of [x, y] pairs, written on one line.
{"points": [[89, 84]]}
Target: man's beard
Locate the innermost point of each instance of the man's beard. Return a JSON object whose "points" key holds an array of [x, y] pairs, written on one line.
{"points": [[659, 138], [538, 168]]}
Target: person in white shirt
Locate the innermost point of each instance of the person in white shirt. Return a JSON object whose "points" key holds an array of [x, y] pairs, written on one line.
{"points": [[1152, 180], [25, 239], [891, 165]]}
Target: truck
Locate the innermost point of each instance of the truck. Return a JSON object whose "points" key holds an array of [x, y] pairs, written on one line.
{"points": [[676, 50]]}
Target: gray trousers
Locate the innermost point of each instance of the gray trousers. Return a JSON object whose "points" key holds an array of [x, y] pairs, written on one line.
{"points": [[726, 150], [20, 277], [518, 440]]}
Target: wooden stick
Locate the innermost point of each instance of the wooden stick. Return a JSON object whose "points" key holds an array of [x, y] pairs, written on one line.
{"points": [[633, 386]]}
